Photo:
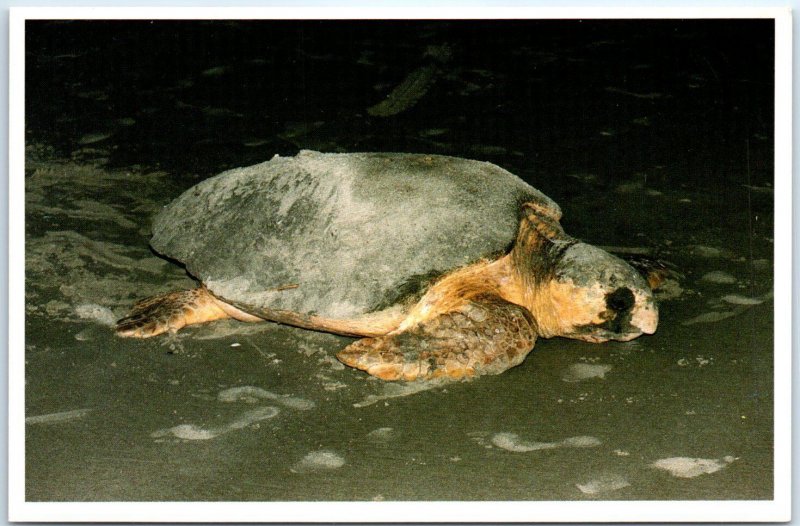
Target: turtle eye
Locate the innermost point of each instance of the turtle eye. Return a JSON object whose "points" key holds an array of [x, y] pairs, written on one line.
{"points": [[621, 300]]}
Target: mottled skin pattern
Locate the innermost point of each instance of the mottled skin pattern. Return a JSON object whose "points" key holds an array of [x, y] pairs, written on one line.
{"points": [[486, 335], [172, 311], [480, 319], [169, 312]]}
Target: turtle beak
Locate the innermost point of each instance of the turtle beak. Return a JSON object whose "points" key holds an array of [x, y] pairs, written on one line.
{"points": [[630, 312], [645, 315], [631, 322]]}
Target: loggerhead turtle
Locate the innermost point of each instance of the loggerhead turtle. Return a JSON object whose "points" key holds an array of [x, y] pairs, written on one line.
{"points": [[445, 267]]}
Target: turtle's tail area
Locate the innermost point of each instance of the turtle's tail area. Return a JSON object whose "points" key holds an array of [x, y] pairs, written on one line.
{"points": [[486, 335], [170, 312]]}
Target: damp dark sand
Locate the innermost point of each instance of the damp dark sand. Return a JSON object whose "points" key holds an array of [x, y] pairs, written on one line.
{"points": [[673, 159]]}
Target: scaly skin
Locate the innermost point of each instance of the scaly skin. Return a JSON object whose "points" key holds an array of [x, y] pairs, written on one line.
{"points": [[171, 312], [485, 335]]}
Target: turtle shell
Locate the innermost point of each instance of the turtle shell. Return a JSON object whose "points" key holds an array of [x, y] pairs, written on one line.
{"points": [[339, 235]]}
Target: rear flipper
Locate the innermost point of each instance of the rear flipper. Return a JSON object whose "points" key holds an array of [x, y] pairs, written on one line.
{"points": [[170, 312], [486, 335]]}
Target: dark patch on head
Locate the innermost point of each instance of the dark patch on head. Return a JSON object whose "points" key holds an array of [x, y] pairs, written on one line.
{"points": [[619, 324], [618, 313], [621, 300], [616, 324], [617, 316]]}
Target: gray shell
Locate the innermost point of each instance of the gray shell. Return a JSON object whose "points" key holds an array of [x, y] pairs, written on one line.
{"points": [[339, 235]]}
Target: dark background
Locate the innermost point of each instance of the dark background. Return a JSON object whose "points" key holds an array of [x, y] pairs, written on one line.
{"points": [[612, 98]]}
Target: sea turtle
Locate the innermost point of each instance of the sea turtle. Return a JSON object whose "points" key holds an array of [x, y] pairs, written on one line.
{"points": [[445, 267]]}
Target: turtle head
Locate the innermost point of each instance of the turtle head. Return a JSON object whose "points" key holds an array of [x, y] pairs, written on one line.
{"points": [[577, 290], [597, 297]]}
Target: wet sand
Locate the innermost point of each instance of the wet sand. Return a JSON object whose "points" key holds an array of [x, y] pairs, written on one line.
{"points": [[674, 161]]}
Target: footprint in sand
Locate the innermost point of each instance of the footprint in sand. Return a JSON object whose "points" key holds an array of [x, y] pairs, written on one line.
{"points": [[603, 484], [687, 467], [252, 394], [719, 277], [383, 434], [57, 418], [579, 372], [512, 442], [396, 390], [193, 432], [318, 461], [248, 394]]}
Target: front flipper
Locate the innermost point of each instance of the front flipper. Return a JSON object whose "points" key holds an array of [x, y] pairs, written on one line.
{"points": [[485, 335]]}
